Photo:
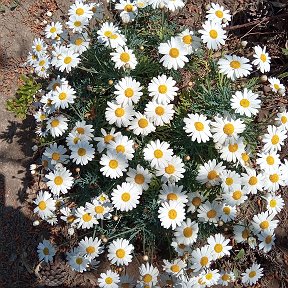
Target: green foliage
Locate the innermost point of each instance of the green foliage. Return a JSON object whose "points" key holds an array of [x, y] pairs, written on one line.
{"points": [[24, 97]]}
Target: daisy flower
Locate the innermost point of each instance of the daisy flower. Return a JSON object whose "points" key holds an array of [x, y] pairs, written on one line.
{"points": [[162, 89], [175, 267], [53, 30], [74, 138], [121, 144], [113, 165], [226, 129], [81, 10], [46, 205], [234, 66], [274, 139], [68, 60], [39, 47], [187, 233], [195, 199], [218, 14], [106, 138], [91, 248], [46, 251], [232, 151], [264, 222], [77, 24], [173, 192], [79, 43], [77, 261], [226, 278], [241, 233], [180, 248], [273, 180], [56, 153], [210, 173], [268, 161], [245, 103], [109, 279], [148, 274], [60, 181], [229, 179], [197, 127], [159, 114], [40, 115], [262, 59], [63, 96], [171, 214], [252, 274], [210, 277], [82, 153], [235, 196], [172, 171], [98, 209], [119, 252], [267, 241], [125, 197], [84, 219], [213, 35], [276, 85], [282, 117], [228, 213], [118, 114], [174, 54], [141, 125], [128, 91], [219, 245], [251, 181], [173, 5], [201, 258], [157, 153], [124, 58], [42, 64], [189, 40], [139, 177], [83, 130], [57, 125], [128, 10], [209, 212]]}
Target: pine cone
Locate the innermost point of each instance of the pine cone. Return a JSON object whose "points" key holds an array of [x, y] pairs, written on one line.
{"points": [[52, 274]]}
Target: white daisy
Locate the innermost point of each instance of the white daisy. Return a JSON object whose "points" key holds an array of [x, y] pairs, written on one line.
{"points": [[148, 274], [91, 248], [217, 13], [175, 267], [276, 85], [83, 130], [273, 180], [264, 222], [139, 177], [105, 139], [228, 212], [195, 199], [219, 245], [141, 125], [56, 153], [209, 212], [57, 125], [84, 219], [99, 209], [229, 179], [267, 241], [201, 258], [109, 279], [252, 274], [251, 181], [63, 96], [68, 60], [173, 192], [128, 10], [235, 196], [268, 161], [226, 278], [77, 261], [209, 277], [53, 30], [241, 233], [121, 144], [39, 47], [282, 117], [187, 233], [79, 43], [274, 139], [119, 251], [232, 151], [189, 40], [46, 205], [124, 58], [82, 153], [262, 59], [80, 9], [172, 5], [77, 24], [46, 251]]}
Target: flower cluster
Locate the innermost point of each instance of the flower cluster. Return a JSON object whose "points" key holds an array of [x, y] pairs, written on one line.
{"points": [[195, 168]]}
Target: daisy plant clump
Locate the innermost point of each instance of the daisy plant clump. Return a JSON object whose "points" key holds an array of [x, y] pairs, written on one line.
{"points": [[137, 161]]}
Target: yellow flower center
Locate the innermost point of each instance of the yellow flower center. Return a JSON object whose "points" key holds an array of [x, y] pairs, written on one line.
{"points": [[108, 138], [226, 210], [125, 196], [268, 239], [199, 126], [86, 217], [233, 147], [58, 180], [196, 201], [211, 214], [158, 153], [42, 117], [245, 233], [147, 278], [78, 41], [46, 251], [90, 250], [253, 180], [245, 103], [162, 89], [119, 112], [114, 36], [245, 157], [225, 277], [170, 169], [120, 148], [174, 52], [218, 248], [62, 96], [77, 23], [209, 276], [128, 8], [263, 57], [80, 130], [276, 86], [56, 156], [124, 57], [38, 47], [52, 29], [237, 195], [108, 34], [270, 160], [213, 34], [120, 253], [75, 140], [212, 175], [79, 11], [188, 232], [99, 209], [159, 110], [81, 152], [273, 203], [42, 63], [187, 39], [252, 274], [172, 214], [228, 129], [275, 139], [129, 92], [284, 119], [204, 261], [229, 181], [108, 280], [172, 196], [143, 123], [139, 179], [67, 60], [274, 178], [175, 268], [235, 64], [264, 224], [42, 205], [219, 14], [71, 218], [113, 164]]}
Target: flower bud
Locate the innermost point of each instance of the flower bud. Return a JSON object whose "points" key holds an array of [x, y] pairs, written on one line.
{"points": [[110, 82], [36, 223], [33, 166], [244, 43], [145, 258], [187, 157], [263, 78], [161, 5], [35, 148], [49, 13], [220, 223], [115, 218], [142, 47]]}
